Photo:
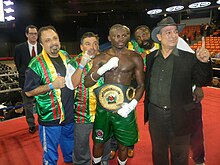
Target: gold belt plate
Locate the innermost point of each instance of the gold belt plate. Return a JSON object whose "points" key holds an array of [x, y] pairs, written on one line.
{"points": [[111, 97]]}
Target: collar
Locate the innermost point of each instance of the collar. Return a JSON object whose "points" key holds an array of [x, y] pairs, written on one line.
{"points": [[32, 44], [154, 47], [175, 52]]}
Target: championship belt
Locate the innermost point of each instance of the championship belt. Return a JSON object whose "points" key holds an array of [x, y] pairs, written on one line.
{"points": [[112, 96]]}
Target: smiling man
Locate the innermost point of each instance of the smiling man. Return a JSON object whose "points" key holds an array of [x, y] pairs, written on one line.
{"points": [[168, 97], [45, 80], [84, 100], [24, 52]]}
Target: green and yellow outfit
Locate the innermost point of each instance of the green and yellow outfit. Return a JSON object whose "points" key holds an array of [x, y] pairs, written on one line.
{"points": [[85, 100], [54, 108], [51, 106], [84, 115], [133, 45]]}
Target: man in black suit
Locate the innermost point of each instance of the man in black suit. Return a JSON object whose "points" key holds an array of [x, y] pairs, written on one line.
{"points": [[23, 54], [168, 97]]}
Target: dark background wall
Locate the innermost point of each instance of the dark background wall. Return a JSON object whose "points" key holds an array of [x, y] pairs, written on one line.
{"points": [[96, 16]]}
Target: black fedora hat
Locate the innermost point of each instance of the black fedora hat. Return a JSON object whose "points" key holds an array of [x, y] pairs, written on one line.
{"points": [[168, 21]]}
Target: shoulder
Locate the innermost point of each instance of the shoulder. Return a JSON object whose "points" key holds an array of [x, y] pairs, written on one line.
{"points": [[134, 54], [36, 61], [79, 56], [152, 54], [102, 58], [39, 46], [156, 45], [186, 57], [38, 64], [185, 53], [21, 45], [65, 53], [20, 50], [135, 58], [102, 55], [131, 45], [74, 61]]}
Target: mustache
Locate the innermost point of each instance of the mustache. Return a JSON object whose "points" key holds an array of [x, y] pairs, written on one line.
{"points": [[56, 47], [92, 53], [147, 44], [92, 56]]}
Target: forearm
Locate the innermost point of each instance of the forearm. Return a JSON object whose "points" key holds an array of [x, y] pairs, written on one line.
{"points": [[39, 90], [139, 92], [91, 79], [76, 78]]}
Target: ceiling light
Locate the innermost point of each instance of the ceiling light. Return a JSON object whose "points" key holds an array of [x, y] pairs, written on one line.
{"points": [[174, 8], [8, 3], [154, 11], [9, 10], [199, 4], [2, 19], [9, 18], [218, 2]]}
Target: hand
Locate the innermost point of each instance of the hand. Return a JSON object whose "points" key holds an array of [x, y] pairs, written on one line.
{"points": [[202, 53], [85, 59], [59, 82], [198, 94], [127, 108], [111, 64]]}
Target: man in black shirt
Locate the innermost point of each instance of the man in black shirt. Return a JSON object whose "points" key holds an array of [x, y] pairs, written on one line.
{"points": [[169, 99]]}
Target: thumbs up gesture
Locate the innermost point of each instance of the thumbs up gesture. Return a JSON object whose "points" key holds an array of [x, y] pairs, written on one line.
{"points": [[85, 59], [202, 53]]}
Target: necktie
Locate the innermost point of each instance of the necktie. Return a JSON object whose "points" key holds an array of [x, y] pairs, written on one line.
{"points": [[33, 54]]}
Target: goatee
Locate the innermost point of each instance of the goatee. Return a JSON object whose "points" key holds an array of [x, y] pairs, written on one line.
{"points": [[147, 44], [55, 49]]}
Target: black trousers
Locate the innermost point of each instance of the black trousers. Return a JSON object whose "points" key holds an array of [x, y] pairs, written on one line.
{"points": [[164, 142], [197, 137], [29, 109]]}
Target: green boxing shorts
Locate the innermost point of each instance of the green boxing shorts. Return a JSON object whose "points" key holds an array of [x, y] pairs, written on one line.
{"points": [[108, 122]]}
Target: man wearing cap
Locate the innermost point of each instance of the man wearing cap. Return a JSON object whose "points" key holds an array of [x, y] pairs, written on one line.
{"points": [[168, 97]]}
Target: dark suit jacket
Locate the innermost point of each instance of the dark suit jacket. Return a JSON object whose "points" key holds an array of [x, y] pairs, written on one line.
{"points": [[187, 70], [22, 58]]}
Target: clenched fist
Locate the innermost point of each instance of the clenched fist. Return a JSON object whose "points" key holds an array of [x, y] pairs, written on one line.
{"points": [[111, 64], [59, 82]]}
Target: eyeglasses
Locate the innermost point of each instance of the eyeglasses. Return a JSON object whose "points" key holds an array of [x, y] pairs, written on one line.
{"points": [[32, 34]]}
